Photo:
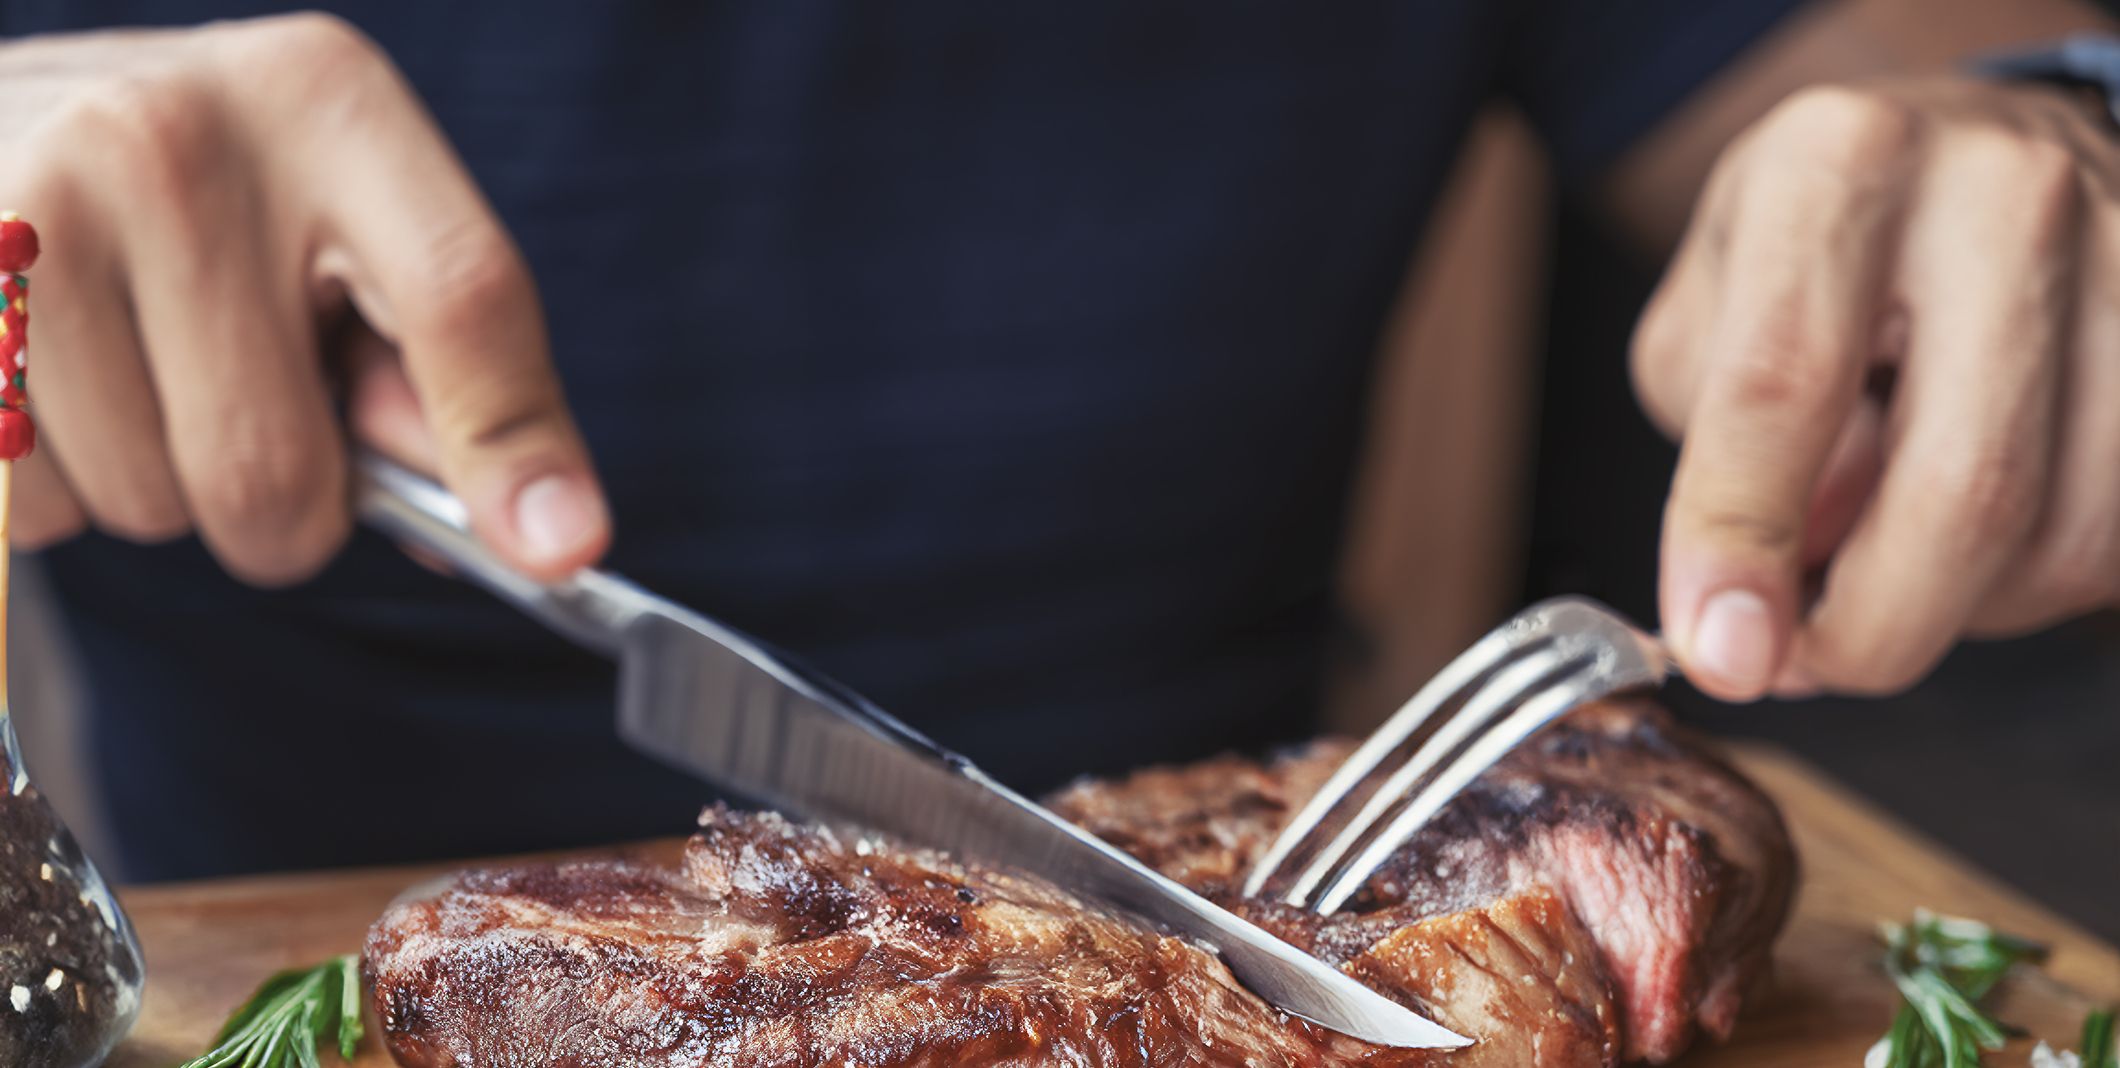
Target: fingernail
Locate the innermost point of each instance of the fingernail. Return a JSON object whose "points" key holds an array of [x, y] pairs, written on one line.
{"points": [[556, 516], [1734, 640]]}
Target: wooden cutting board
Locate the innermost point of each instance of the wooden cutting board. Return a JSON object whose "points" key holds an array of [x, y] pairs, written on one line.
{"points": [[208, 944]]}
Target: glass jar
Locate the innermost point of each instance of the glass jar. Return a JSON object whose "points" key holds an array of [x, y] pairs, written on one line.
{"points": [[70, 969]]}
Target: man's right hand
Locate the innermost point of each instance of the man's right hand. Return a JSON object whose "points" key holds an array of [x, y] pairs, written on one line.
{"points": [[210, 200]]}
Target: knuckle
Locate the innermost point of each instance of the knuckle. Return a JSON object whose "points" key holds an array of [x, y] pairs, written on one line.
{"points": [[1989, 492], [1656, 349], [322, 35], [473, 278], [141, 520], [321, 68], [316, 43], [156, 133], [475, 288], [1656, 335], [1763, 531], [269, 498], [1845, 129], [2043, 178], [1780, 366], [261, 487], [512, 422]]}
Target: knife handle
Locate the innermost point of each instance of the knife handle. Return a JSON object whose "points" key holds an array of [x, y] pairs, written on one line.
{"points": [[592, 608]]}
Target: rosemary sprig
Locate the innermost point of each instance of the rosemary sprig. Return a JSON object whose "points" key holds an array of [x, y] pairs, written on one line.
{"points": [[293, 1013], [1943, 967]]}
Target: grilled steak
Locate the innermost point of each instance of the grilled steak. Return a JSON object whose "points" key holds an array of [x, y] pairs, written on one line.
{"points": [[1679, 868], [1591, 899]]}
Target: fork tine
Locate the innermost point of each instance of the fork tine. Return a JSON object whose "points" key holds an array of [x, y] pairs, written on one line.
{"points": [[1564, 647], [1493, 698], [1474, 663], [1587, 683]]}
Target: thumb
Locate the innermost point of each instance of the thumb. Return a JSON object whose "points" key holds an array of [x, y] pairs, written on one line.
{"points": [[476, 358], [1755, 490], [384, 410], [429, 265], [1729, 587], [463, 386]]}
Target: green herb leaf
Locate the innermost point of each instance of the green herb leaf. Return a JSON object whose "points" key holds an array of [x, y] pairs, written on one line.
{"points": [[1943, 967], [349, 1006], [289, 1016], [2098, 1041]]}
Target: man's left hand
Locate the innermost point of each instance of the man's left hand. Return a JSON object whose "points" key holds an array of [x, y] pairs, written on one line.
{"points": [[1891, 342]]}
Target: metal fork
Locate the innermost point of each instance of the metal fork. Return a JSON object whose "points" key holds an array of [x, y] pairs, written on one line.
{"points": [[1555, 656]]}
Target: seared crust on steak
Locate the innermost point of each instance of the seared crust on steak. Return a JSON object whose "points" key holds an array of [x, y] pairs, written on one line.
{"points": [[1681, 869], [778, 944], [1560, 917]]}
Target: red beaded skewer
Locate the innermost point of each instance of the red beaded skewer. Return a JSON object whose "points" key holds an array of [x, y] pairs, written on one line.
{"points": [[18, 435], [18, 250]]}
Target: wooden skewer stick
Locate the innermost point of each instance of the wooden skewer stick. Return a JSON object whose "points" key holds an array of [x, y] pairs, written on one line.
{"points": [[7, 508], [18, 249], [13, 779]]}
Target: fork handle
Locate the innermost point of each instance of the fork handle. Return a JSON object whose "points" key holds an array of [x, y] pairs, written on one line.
{"points": [[592, 608]]}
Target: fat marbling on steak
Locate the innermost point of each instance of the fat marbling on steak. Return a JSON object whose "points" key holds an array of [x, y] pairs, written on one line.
{"points": [[1607, 891]]}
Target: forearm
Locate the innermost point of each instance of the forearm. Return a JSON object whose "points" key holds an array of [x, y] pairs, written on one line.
{"points": [[1651, 189]]}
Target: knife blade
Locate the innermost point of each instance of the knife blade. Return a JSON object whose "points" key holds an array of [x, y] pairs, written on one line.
{"points": [[751, 720]]}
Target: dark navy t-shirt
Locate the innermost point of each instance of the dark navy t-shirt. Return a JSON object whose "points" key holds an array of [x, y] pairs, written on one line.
{"points": [[1005, 360]]}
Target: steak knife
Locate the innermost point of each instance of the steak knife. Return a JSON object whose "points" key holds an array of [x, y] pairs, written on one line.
{"points": [[724, 707]]}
